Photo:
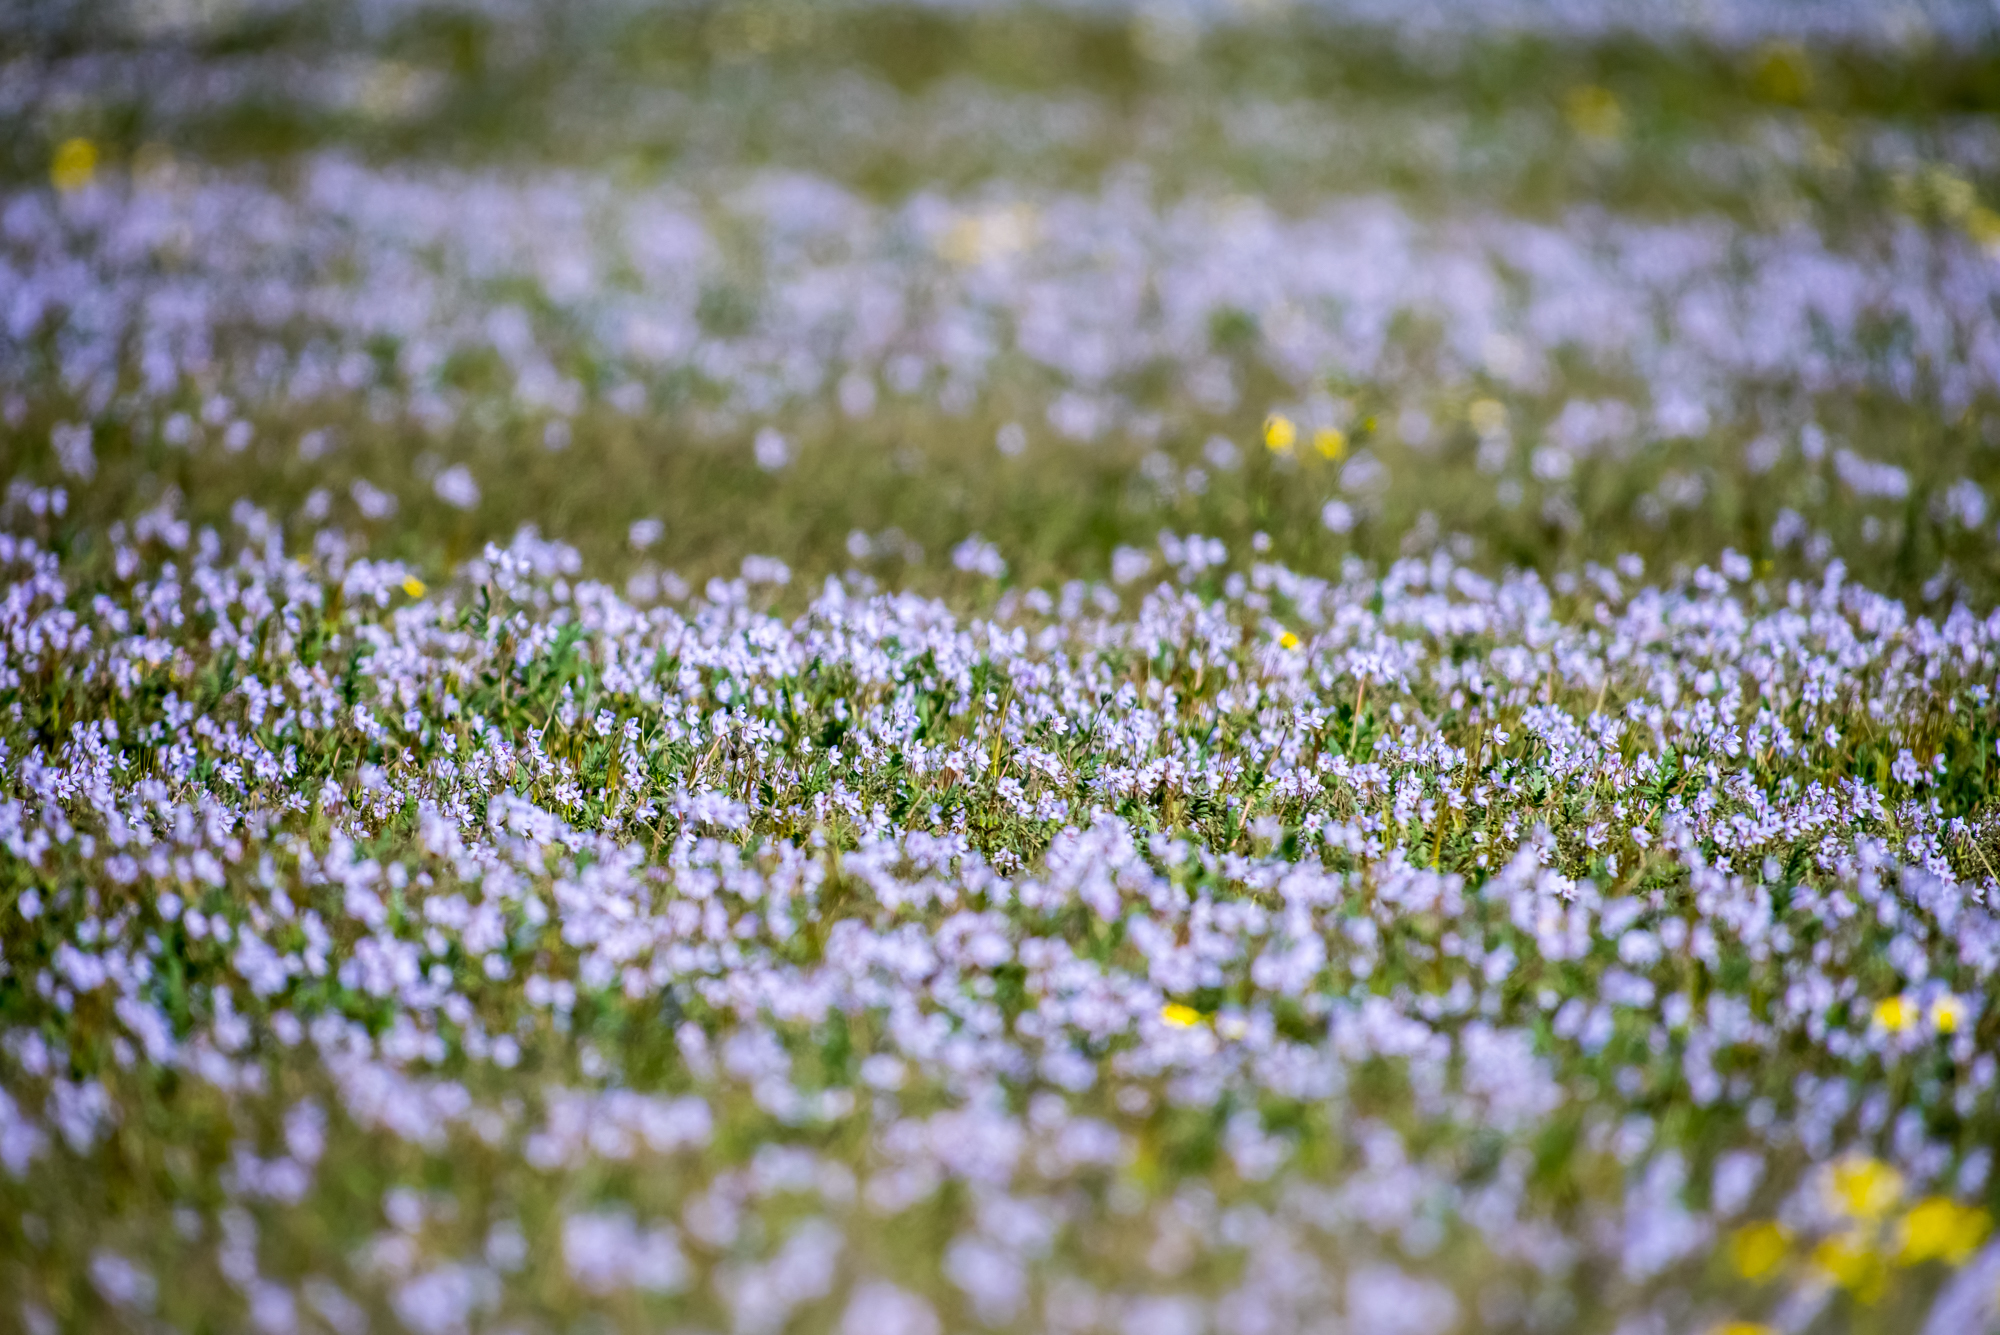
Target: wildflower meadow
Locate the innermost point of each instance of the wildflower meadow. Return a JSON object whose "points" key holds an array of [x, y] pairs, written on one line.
{"points": [[1238, 666]]}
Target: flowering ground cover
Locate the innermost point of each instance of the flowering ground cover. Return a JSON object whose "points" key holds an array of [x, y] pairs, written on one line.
{"points": [[758, 667]]}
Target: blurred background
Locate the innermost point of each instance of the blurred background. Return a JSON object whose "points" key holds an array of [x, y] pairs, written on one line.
{"points": [[1540, 281]]}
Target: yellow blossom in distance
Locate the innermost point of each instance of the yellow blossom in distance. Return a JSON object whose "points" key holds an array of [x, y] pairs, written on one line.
{"points": [[1940, 1229], [993, 234], [1782, 72], [74, 165], [1849, 1261], [1287, 640], [1946, 1012], [1487, 416], [1951, 194], [1865, 1188], [1895, 1014], [1755, 1250], [1179, 1016], [1331, 442], [1983, 225], [414, 587], [1594, 113], [1280, 434]]}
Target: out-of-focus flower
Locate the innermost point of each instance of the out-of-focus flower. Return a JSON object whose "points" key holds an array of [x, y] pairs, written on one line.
{"points": [[1865, 1189], [1593, 112], [1755, 1250], [72, 444], [1331, 442], [1280, 433], [1782, 72], [1487, 416], [976, 556], [456, 488], [773, 451], [878, 1308], [372, 501], [414, 587], [74, 165], [1940, 1229], [1851, 1261], [993, 235], [1946, 1013], [1983, 225], [1895, 1014], [1180, 1016]]}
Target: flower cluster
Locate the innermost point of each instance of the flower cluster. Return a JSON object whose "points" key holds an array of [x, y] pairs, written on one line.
{"points": [[1358, 890], [271, 299]]}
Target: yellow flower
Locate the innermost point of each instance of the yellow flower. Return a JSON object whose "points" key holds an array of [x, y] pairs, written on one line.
{"points": [[1331, 442], [1953, 195], [1742, 1328], [1179, 1016], [1983, 225], [1938, 1229], [1782, 73], [1287, 640], [1865, 1188], [414, 587], [1755, 1250], [1848, 1260], [1896, 1014], [1280, 434], [1946, 1012], [74, 166], [1594, 112], [993, 234]]}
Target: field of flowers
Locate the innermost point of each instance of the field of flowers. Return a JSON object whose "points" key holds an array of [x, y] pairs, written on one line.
{"points": [[1148, 668]]}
